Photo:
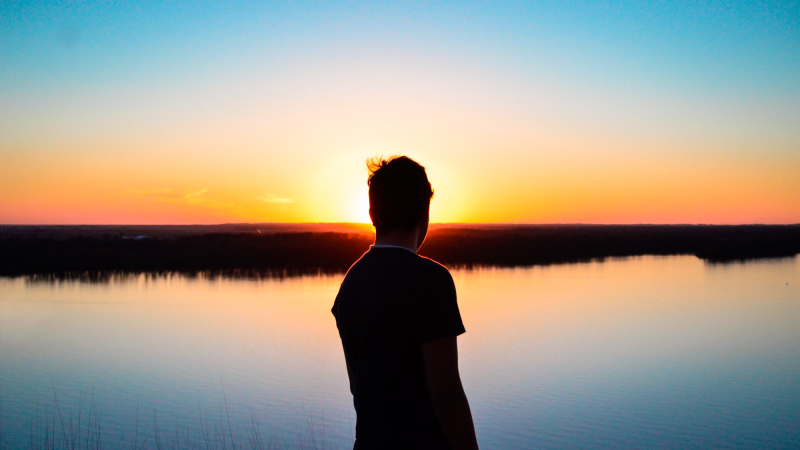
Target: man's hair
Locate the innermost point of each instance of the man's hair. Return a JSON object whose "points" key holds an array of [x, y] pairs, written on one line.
{"points": [[399, 192]]}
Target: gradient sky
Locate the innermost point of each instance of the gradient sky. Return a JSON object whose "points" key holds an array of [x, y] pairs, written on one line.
{"points": [[535, 112]]}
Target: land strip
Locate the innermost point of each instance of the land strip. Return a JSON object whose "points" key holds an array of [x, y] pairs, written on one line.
{"points": [[308, 248]]}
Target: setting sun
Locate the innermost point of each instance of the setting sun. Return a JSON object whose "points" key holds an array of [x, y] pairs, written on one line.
{"points": [[360, 208]]}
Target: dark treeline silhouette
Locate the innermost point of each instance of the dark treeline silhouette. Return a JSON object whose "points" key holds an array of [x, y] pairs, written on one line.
{"points": [[296, 252], [168, 231], [308, 252], [548, 244]]}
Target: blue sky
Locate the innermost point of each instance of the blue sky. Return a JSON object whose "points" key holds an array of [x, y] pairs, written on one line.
{"points": [[745, 47]]}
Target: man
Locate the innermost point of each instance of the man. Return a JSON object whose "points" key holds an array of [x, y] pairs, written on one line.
{"points": [[398, 320]]}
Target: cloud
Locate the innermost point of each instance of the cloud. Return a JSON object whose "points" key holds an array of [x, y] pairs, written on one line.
{"points": [[195, 194], [191, 198], [272, 198], [171, 195]]}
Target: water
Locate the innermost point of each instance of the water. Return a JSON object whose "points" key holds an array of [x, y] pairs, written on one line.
{"points": [[635, 353]]}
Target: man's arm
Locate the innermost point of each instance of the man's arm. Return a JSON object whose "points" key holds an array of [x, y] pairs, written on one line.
{"points": [[350, 375], [447, 395]]}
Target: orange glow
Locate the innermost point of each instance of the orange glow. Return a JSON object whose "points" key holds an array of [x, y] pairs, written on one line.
{"points": [[308, 165], [506, 137]]}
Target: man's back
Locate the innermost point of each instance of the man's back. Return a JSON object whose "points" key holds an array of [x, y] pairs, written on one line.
{"points": [[390, 303]]}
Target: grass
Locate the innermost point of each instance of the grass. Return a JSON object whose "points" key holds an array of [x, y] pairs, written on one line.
{"points": [[50, 428]]}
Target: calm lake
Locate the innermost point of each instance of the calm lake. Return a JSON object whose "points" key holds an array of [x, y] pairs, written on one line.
{"points": [[650, 352]]}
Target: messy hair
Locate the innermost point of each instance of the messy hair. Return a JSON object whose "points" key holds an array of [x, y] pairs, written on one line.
{"points": [[399, 192]]}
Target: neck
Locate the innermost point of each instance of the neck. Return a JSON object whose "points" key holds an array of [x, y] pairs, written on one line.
{"points": [[398, 239]]}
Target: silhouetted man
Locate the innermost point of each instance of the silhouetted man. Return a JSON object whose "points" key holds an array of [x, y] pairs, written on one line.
{"points": [[398, 319]]}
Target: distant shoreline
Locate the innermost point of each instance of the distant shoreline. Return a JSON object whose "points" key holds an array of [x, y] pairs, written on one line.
{"points": [[304, 248]]}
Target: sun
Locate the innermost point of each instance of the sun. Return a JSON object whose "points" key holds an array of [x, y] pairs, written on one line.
{"points": [[359, 208]]}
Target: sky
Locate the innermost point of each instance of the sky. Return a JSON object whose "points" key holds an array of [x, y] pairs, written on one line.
{"points": [[522, 112]]}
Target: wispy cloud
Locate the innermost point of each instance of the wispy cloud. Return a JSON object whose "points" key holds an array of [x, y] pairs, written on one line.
{"points": [[272, 198], [195, 194], [192, 198]]}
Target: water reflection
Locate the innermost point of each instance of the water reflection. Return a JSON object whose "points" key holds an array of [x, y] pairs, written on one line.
{"points": [[105, 277], [668, 352]]}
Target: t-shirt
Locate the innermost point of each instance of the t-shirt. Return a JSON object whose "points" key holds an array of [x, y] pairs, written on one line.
{"points": [[390, 303]]}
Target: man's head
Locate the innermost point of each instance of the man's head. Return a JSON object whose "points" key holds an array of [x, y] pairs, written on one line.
{"points": [[399, 194]]}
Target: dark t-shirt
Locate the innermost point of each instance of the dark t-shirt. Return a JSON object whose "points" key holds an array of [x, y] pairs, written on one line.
{"points": [[390, 303]]}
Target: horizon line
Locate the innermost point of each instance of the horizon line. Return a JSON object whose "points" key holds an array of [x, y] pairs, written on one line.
{"points": [[370, 225]]}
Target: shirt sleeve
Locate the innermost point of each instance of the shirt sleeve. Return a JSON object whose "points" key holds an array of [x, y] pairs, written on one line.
{"points": [[438, 314]]}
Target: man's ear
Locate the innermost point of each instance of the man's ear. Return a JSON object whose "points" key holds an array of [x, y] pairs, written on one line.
{"points": [[422, 229], [370, 217], [425, 220]]}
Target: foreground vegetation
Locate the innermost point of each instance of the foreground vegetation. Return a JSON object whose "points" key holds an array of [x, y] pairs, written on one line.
{"points": [[81, 428]]}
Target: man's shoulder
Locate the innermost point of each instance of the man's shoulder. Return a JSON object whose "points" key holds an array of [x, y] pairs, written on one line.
{"points": [[432, 266], [432, 272], [403, 260]]}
